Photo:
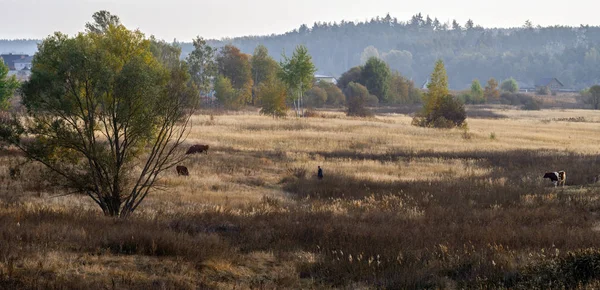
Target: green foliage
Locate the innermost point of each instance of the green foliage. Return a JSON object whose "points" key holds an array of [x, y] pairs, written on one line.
{"points": [[235, 65], [226, 94], [273, 95], [467, 98], [357, 99], [592, 97], [509, 85], [376, 77], [202, 65], [97, 111], [8, 85], [102, 21], [352, 75], [477, 92], [297, 74]]}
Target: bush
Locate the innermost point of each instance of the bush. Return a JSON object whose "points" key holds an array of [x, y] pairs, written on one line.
{"points": [[525, 101], [358, 98], [468, 98], [532, 105], [335, 96], [510, 85], [315, 97], [543, 91], [449, 113]]}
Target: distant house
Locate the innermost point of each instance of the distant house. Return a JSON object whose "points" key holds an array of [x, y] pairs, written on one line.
{"points": [[553, 84], [326, 78], [425, 84], [19, 65], [525, 86], [23, 63], [9, 59]]}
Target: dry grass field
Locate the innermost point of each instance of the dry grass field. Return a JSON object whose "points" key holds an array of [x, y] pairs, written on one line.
{"points": [[400, 207]]}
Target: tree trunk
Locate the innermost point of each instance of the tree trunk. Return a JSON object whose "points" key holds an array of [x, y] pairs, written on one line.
{"points": [[112, 206]]}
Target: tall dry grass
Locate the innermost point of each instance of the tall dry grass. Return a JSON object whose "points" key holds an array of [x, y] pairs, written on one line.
{"points": [[400, 207]]}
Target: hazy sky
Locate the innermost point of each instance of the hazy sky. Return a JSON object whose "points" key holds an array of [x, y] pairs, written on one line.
{"points": [[184, 19]]}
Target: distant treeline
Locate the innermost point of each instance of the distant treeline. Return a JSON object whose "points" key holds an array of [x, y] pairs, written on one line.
{"points": [[527, 53], [18, 46]]}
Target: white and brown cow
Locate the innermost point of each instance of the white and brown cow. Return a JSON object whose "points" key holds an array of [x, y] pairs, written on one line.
{"points": [[557, 178]]}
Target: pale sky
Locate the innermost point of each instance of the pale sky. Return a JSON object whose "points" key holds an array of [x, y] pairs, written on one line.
{"points": [[184, 19]]}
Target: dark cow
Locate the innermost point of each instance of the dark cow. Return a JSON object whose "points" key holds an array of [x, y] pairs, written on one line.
{"points": [[14, 172], [557, 178], [198, 148], [320, 172], [182, 170]]}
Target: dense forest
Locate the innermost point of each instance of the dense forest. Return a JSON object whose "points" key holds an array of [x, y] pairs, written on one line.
{"points": [[527, 53]]}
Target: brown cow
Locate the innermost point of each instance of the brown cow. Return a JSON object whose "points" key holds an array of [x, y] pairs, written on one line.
{"points": [[182, 170], [198, 148]]}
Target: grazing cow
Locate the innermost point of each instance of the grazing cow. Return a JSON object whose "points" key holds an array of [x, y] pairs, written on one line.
{"points": [[557, 178], [562, 178], [182, 170], [198, 148], [14, 172]]}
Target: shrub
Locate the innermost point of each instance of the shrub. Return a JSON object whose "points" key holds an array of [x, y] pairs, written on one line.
{"points": [[532, 105], [510, 85], [449, 113], [335, 96], [358, 98], [525, 101], [543, 91], [315, 97]]}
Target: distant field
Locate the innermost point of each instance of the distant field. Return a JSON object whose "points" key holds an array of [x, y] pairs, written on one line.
{"points": [[400, 207]]}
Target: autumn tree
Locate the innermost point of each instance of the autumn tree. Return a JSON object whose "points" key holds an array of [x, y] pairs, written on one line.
{"points": [[8, 85], [437, 86], [273, 96], [440, 110], [402, 90], [235, 66], [491, 90], [264, 69], [376, 77], [202, 65], [107, 121], [297, 73]]}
